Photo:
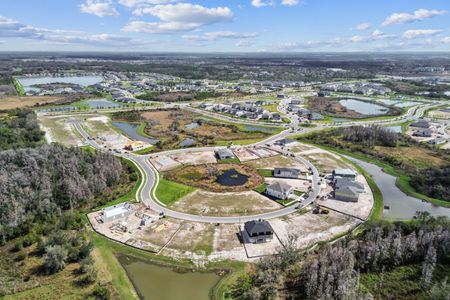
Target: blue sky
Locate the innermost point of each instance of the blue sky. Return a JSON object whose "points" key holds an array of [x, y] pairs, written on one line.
{"points": [[224, 26]]}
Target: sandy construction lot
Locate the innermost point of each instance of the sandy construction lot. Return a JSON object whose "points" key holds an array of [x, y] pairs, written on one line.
{"points": [[244, 155], [278, 161], [164, 163], [225, 204], [195, 158], [12, 102], [60, 130], [263, 152]]}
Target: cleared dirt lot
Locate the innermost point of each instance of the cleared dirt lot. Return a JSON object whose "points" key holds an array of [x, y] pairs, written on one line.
{"points": [[195, 158], [194, 237], [12, 102], [311, 228], [225, 204], [244, 154], [164, 163], [278, 161], [59, 130]]}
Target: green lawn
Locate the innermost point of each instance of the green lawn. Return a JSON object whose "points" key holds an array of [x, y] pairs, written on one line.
{"points": [[265, 172], [19, 87], [261, 188], [168, 192], [144, 151]]}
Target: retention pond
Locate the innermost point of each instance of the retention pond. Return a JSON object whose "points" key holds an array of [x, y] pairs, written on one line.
{"points": [[152, 281]]}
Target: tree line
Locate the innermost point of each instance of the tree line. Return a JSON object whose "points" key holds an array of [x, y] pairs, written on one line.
{"points": [[334, 271], [20, 129]]}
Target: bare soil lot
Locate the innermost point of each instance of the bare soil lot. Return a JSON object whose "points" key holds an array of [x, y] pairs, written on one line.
{"points": [[11, 102], [225, 204], [278, 161], [195, 158]]}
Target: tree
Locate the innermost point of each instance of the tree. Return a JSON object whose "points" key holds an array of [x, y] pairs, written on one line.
{"points": [[54, 258], [428, 266]]}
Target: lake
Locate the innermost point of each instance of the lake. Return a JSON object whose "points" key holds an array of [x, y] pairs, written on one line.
{"points": [[363, 107], [130, 129], [401, 206], [163, 283], [80, 80], [397, 102]]}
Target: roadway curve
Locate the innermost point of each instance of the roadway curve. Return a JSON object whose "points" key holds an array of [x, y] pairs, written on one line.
{"points": [[150, 175]]}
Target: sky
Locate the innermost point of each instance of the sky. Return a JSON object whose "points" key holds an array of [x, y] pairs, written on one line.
{"points": [[224, 25]]}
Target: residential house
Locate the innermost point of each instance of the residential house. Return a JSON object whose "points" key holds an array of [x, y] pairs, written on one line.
{"points": [[346, 189], [256, 232], [286, 172], [279, 190], [426, 132], [344, 173], [224, 154], [116, 212], [187, 143]]}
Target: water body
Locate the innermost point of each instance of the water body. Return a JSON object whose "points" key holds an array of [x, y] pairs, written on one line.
{"points": [[362, 107], [163, 283], [340, 120], [397, 129], [259, 128], [101, 103], [401, 206], [398, 102], [232, 177], [80, 80], [130, 129]]}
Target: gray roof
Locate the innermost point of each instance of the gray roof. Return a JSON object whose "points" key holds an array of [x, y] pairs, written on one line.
{"points": [[345, 183], [280, 187], [289, 170], [284, 141], [258, 227], [344, 172], [420, 124], [225, 152], [187, 142]]}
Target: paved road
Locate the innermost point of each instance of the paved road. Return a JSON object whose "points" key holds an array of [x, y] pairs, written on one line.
{"points": [[151, 177]]}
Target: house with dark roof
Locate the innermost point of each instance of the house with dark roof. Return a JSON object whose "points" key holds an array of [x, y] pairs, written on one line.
{"points": [[257, 231], [420, 124], [284, 142], [425, 132], [344, 173], [279, 190], [224, 153], [286, 172]]}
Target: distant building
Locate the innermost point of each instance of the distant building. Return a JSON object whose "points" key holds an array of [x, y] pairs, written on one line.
{"points": [[284, 142], [286, 172], [224, 154], [258, 232], [344, 173], [187, 143], [420, 124], [423, 132], [279, 190], [116, 212]]}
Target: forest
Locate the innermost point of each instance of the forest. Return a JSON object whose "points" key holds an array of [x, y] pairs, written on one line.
{"points": [[19, 129], [37, 184], [408, 157], [417, 253]]}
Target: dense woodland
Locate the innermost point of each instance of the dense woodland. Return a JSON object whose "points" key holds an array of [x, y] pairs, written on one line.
{"points": [[347, 268], [19, 129], [37, 184], [365, 140]]}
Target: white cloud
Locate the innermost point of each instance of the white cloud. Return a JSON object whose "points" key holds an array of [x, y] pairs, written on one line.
{"points": [[15, 29], [212, 36], [446, 40], [178, 17], [99, 8], [418, 15], [363, 26], [290, 2], [140, 3], [262, 3], [415, 33]]}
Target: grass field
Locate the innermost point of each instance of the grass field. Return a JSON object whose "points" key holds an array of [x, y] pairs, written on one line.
{"points": [[169, 192], [12, 102]]}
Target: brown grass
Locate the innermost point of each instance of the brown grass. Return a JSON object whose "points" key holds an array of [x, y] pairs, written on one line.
{"points": [[413, 156], [27, 101]]}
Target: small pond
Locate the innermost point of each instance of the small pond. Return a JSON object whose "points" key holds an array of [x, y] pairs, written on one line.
{"points": [[80, 80], [397, 129], [100, 103], [232, 177], [163, 283], [130, 129], [363, 107], [260, 128]]}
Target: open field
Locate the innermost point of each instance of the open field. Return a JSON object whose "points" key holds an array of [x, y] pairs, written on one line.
{"points": [[59, 130], [225, 204], [12, 102], [417, 156], [168, 192]]}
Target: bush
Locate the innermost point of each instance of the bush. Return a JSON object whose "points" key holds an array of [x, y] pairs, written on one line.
{"points": [[17, 246], [21, 256], [54, 259], [30, 239], [101, 293]]}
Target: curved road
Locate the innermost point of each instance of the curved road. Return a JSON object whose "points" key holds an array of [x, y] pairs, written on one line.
{"points": [[151, 177]]}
